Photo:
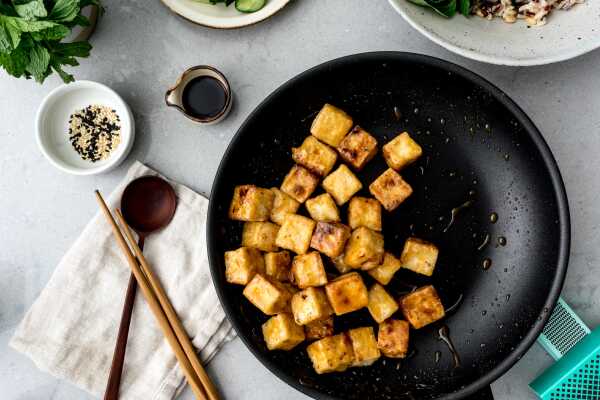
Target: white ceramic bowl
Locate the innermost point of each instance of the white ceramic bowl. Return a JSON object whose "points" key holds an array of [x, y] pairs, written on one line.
{"points": [[566, 35], [52, 126]]}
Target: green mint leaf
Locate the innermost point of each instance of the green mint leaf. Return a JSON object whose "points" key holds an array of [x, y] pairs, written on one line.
{"points": [[464, 7], [64, 10], [75, 49], [446, 8], [39, 59], [15, 63], [31, 10], [56, 66], [57, 32]]}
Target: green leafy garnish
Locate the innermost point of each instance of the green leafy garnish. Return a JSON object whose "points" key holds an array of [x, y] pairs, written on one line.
{"points": [[446, 8]]}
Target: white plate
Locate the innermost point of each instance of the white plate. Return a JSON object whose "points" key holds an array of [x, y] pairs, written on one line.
{"points": [[566, 35], [220, 16]]}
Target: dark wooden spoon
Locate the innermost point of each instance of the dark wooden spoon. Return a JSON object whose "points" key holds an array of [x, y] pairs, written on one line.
{"points": [[148, 204]]}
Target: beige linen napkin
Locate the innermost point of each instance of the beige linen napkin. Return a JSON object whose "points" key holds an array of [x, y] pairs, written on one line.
{"points": [[70, 330]]}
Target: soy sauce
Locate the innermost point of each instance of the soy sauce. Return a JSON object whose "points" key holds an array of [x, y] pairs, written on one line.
{"points": [[204, 97]]}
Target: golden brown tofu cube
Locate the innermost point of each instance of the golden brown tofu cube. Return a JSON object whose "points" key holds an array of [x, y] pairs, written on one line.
{"points": [[340, 265], [319, 329], [282, 333], [310, 305], [422, 307], [331, 354], [295, 233], [364, 346], [299, 183], [419, 256], [358, 148], [381, 304], [392, 338], [242, 264], [330, 238], [347, 293], [315, 156], [260, 235], [385, 272], [251, 203], [308, 270], [366, 212], [282, 204], [277, 265], [323, 208], [269, 296], [401, 151], [342, 184], [390, 189], [364, 249], [331, 125]]}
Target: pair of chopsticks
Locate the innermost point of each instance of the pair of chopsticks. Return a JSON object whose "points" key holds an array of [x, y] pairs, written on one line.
{"points": [[162, 309]]}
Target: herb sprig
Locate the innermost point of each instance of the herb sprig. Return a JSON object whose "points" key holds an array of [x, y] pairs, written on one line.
{"points": [[446, 8]]}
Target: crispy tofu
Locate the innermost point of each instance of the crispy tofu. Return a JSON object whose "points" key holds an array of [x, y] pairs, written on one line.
{"points": [[331, 125], [401, 151], [342, 184], [260, 235], [340, 265], [315, 156], [364, 249], [308, 270], [323, 208], [269, 296], [392, 338], [295, 233], [347, 293], [364, 346], [358, 148], [422, 307], [282, 333], [419, 256], [366, 212], [331, 354], [299, 183], [282, 204], [319, 329], [251, 203], [385, 272], [242, 264], [330, 238], [390, 189], [381, 304], [310, 305], [277, 265]]}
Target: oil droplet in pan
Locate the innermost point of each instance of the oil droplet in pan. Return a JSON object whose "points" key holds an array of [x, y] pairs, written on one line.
{"points": [[493, 218], [487, 263], [455, 212], [485, 242], [444, 336], [438, 356], [502, 241]]}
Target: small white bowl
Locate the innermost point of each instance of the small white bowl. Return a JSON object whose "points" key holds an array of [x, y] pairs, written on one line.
{"points": [[52, 126]]}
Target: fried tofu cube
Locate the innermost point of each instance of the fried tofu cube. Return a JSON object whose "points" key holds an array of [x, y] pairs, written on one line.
{"points": [[385, 272], [319, 329], [347, 293], [331, 125], [277, 265], [269, 296], [392, 338], [308, 270], [340, 265], [330, 238], [310, 305], [331, 354], [282, 333], [242, 264], [390, 189], [366, 212], [401, 151], [342, 184], [358, 148], [422, 307], [323, 208], [381, 304], [419, 256], [364, 249], [295, 233], [251, 203], [299, 183], [260, 235], [315, 156], [364, 346], [282, 204]]}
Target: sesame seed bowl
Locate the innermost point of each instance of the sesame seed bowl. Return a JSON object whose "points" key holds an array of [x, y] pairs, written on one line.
{"points": [[84, 128]]}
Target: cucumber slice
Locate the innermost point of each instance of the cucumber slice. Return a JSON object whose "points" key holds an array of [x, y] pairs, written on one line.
{"points": [[249, 6]]}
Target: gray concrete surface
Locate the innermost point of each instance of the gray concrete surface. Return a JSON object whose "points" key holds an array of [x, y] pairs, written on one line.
{"points": [[140, 49]]}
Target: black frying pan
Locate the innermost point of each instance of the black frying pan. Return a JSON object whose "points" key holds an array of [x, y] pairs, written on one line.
{"points": [[479, 146]]}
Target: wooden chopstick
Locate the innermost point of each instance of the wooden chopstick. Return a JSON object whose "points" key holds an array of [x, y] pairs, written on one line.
{"points": [[154, 305], [170, 312]]}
